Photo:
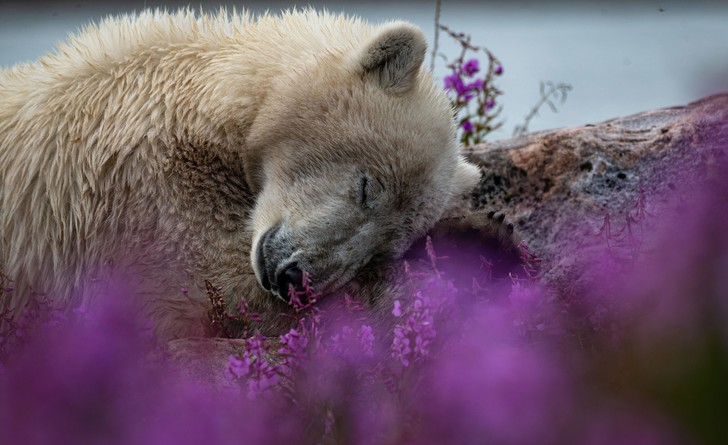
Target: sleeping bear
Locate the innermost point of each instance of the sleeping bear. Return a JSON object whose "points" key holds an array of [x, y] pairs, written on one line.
{"points": [[154, 152]]}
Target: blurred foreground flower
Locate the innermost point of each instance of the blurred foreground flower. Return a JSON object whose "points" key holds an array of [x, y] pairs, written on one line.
{"points": [[640, 358]]}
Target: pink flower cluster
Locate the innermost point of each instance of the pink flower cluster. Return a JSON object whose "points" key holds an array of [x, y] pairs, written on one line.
{"points": [[255, 366], [414, 335], [466, 89]]}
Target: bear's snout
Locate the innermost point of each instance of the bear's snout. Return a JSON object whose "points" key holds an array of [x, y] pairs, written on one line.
{"points": [[273, 252]]}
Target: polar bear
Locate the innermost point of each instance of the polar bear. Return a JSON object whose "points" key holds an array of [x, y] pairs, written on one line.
{"points": [[156, 151]]}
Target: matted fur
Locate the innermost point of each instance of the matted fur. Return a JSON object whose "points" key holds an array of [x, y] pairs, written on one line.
{"points": [[153, 150]]}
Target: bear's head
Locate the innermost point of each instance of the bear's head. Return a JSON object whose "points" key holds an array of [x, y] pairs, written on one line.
{"points": [[352, 157]]}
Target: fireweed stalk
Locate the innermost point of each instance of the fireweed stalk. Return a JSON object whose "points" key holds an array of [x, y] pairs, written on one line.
{"points": [[473, 97]]}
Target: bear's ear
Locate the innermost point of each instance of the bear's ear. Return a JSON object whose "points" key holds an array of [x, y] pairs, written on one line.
{"points": [[393, 58]]}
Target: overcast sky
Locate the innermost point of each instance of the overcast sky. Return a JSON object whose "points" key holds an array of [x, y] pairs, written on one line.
{"points": [[620, 57]]}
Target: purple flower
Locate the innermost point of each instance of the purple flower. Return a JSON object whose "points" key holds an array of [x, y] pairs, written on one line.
{"points": [[262, 374], [451, 80], [418, 329], [498, 69], [366, 339], [454, 82], [237, 367], [489, 104], [471, 67], [292, 350], [467, 126], [503, 393], [401, 346], [421, 346], [477, 84], [341, 342], [397, 311]]}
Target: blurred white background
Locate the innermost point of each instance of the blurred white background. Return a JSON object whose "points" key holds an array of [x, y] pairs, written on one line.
{"points": [[620, 57]]}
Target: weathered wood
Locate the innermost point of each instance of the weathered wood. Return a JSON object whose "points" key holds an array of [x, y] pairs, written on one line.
{"points": [[557, 185]]}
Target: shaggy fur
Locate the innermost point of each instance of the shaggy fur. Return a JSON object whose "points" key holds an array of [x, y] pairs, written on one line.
{"points": [[151, 152]]}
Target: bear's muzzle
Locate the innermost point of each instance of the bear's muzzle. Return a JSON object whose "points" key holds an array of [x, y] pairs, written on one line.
{"points": [[275, 275]]}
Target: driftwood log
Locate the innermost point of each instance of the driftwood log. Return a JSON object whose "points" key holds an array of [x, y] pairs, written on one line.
{"points": [[557, 186]]}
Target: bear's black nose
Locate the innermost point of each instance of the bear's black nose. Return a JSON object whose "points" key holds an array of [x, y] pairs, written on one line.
{"points": [[291, 275]]}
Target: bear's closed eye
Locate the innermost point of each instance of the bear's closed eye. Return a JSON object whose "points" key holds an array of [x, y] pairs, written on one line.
{"points": [[363, 183]]}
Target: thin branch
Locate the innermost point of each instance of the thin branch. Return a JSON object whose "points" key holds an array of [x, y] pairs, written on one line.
{"points": [[438, 5], [554, 91]]}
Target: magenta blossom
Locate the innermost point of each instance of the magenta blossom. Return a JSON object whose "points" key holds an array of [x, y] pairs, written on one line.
{"points": [[477, 84], [397, 311], [471, 67], [292, 350], [254, 363], [454, 82], [237, 367]]}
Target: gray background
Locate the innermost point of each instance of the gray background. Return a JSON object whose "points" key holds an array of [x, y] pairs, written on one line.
{"points": [[620, 57]]}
